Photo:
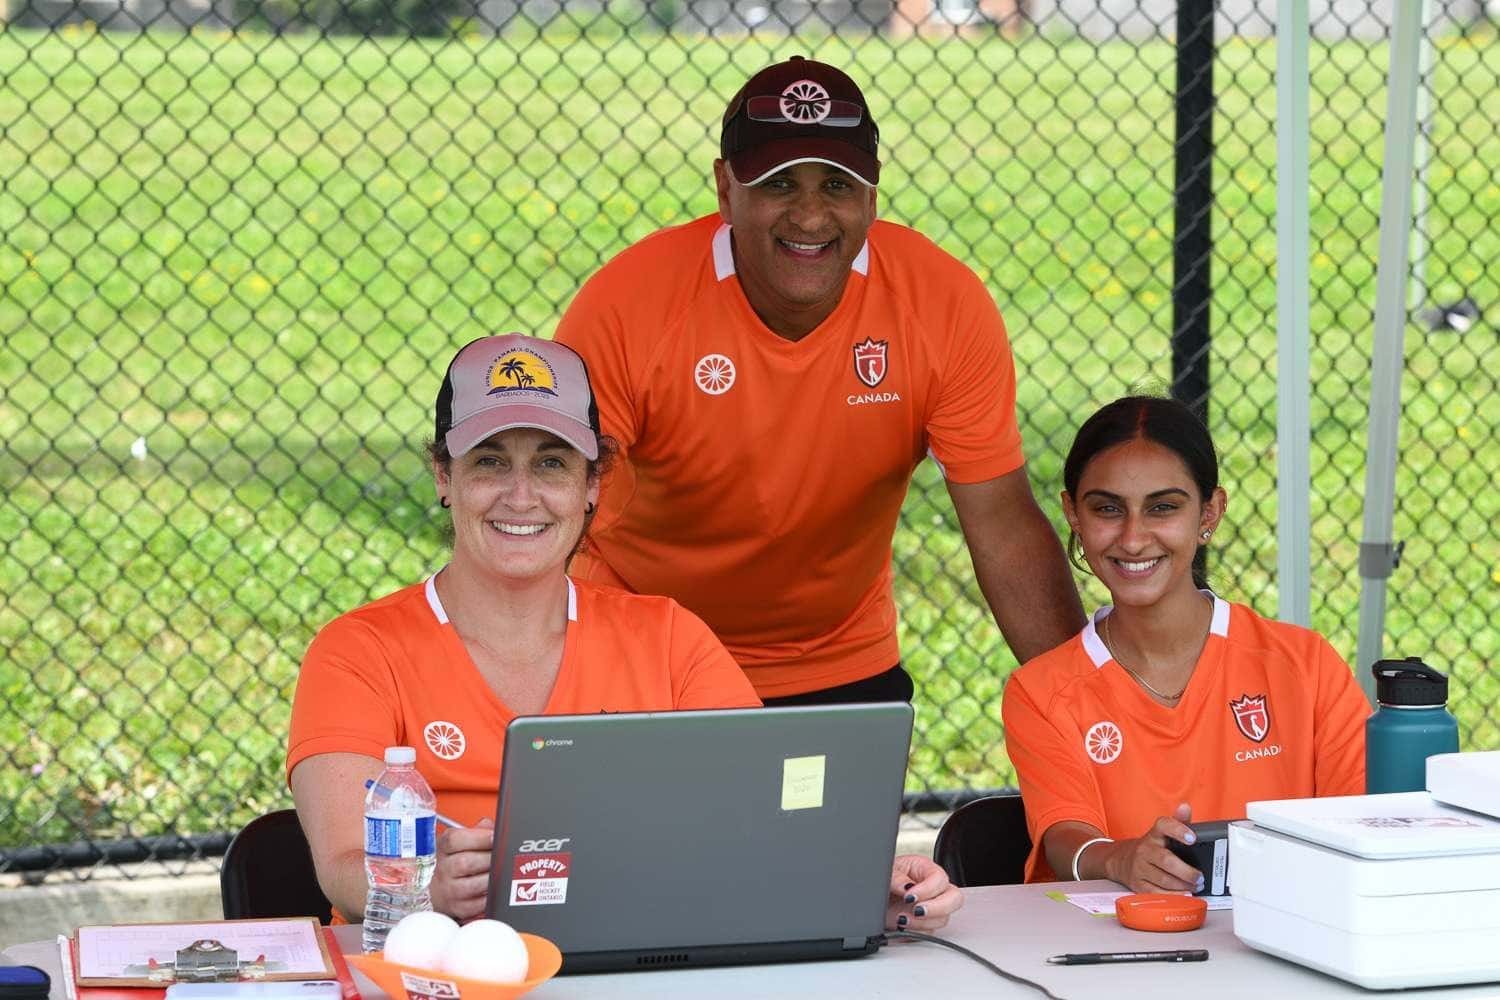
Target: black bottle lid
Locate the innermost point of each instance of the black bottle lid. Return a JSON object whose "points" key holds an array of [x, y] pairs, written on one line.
{"points": [[1409, 683]]}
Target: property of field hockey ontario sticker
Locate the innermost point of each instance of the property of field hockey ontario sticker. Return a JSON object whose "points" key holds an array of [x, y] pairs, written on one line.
{"points": [[540, 878]]}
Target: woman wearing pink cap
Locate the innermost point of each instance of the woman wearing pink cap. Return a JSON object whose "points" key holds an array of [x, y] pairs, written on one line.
{"points": [[501, 631]]}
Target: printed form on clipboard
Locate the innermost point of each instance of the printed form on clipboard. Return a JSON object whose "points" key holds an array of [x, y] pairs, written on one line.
{"points": [[148, 954], [134, 988]]}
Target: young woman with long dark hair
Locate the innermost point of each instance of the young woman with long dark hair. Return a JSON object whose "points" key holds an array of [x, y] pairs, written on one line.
{"points": [[1171, 704]]}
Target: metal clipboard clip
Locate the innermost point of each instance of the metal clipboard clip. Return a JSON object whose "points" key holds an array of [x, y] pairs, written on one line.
{"points": [[204, 961]]}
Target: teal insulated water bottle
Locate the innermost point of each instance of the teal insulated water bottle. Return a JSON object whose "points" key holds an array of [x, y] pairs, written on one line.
{"points": [[1410, 724]]}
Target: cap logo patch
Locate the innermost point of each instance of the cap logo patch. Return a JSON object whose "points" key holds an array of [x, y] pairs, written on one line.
{"points": [[870, 361], [519, 369], [805, 102], [714, 374], [1252, 716]]}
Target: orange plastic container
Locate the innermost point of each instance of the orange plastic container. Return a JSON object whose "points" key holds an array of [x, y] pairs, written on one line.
{"points": [[405, 982], [1161, 911]]}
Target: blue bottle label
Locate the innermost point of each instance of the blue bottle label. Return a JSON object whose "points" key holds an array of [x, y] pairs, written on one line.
{"points": [[406, 837]]}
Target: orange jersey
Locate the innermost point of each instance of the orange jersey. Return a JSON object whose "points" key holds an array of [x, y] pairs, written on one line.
{"points": [[1271, 712], [763, 478], [395, 672]]}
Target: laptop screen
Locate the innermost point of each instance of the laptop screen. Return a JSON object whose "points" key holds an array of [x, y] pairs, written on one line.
{"points": [[642, 839]]}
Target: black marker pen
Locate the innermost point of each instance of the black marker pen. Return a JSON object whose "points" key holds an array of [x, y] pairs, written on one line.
{"points": [[1110, 957]]}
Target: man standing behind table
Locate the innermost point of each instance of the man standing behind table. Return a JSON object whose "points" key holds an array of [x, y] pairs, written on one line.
{"points": [[774, 374]]}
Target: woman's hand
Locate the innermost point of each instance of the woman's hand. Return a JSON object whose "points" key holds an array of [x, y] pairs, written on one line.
{"points": [[922, 898], [462, 874], [1147, 864]]}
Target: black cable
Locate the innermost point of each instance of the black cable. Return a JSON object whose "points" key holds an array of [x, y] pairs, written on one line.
{"points": [[934, 939]]}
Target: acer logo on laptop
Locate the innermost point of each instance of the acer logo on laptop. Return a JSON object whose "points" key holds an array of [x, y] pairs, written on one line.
{"points": [[542, 845]]}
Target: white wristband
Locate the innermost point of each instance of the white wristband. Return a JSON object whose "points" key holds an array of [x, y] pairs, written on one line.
{"points": [[1078, 854]]}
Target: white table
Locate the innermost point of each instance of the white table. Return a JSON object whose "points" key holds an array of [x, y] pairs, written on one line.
{"points": [[1016, 927]]}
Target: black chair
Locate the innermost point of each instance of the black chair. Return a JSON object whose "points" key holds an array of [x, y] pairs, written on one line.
{"points": [[985, 842], [268, 872]]}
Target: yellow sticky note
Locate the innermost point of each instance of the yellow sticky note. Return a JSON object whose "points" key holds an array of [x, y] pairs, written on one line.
{"points": [[802, 782]]}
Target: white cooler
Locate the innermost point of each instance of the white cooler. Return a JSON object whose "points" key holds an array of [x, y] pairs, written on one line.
{"points": [[1386, 891]]}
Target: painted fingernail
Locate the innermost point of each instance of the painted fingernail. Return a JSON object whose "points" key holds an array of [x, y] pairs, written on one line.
{"points": [[901, 920], [920, 911], [1191, 838], [1200, 881], [910, 898], [907, 886]]}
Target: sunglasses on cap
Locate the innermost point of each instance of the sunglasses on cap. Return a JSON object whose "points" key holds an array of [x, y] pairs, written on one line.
{"points": [[790, 109]]}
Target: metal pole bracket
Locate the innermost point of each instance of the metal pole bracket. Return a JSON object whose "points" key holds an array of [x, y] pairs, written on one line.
{"points": [[1378, 559]]}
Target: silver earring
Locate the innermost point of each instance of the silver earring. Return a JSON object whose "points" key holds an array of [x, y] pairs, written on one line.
{"points": [[1207, 534]]}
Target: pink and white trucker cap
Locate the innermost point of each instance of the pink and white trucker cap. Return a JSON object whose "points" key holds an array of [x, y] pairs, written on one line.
{"points": [[512, 380]]}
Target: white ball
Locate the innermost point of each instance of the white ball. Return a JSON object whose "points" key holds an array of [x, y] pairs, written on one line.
{"points": [[420, 940], [488, 950]]}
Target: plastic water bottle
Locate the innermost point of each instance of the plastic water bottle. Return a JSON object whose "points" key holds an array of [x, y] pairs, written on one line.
{"points": [[400, 845], [1411, 723]]}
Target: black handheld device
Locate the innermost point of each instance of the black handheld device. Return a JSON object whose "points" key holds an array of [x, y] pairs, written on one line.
{"points": [[1209, 853]]}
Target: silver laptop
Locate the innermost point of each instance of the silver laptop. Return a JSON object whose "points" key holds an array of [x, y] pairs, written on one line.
{"points": [[647, 840]]}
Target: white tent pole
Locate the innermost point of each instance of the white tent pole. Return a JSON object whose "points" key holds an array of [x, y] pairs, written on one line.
{"points": [[1422, 157], [1293, 427], [1377, 554]]}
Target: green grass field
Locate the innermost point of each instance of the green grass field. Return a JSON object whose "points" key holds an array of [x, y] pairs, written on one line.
{"points": [[253, 254]]}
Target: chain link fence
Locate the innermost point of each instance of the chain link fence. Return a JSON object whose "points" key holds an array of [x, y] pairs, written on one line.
{"points": [[239, 239]]}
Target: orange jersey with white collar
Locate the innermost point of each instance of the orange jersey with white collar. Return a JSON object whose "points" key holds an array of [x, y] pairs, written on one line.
{"points": [[395, 673], [1271, 712], [763, 478]]}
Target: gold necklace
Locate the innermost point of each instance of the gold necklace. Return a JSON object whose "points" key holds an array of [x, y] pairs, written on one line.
{"points": [[1109, 644]]}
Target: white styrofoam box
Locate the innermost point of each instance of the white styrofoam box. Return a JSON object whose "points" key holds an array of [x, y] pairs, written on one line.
{"points": [[1466, 780], [1380, 923], [1398, 825]]}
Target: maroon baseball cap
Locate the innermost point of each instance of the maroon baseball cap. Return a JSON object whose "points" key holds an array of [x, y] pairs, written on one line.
{"points": [[496, 383], [799, 111]]}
